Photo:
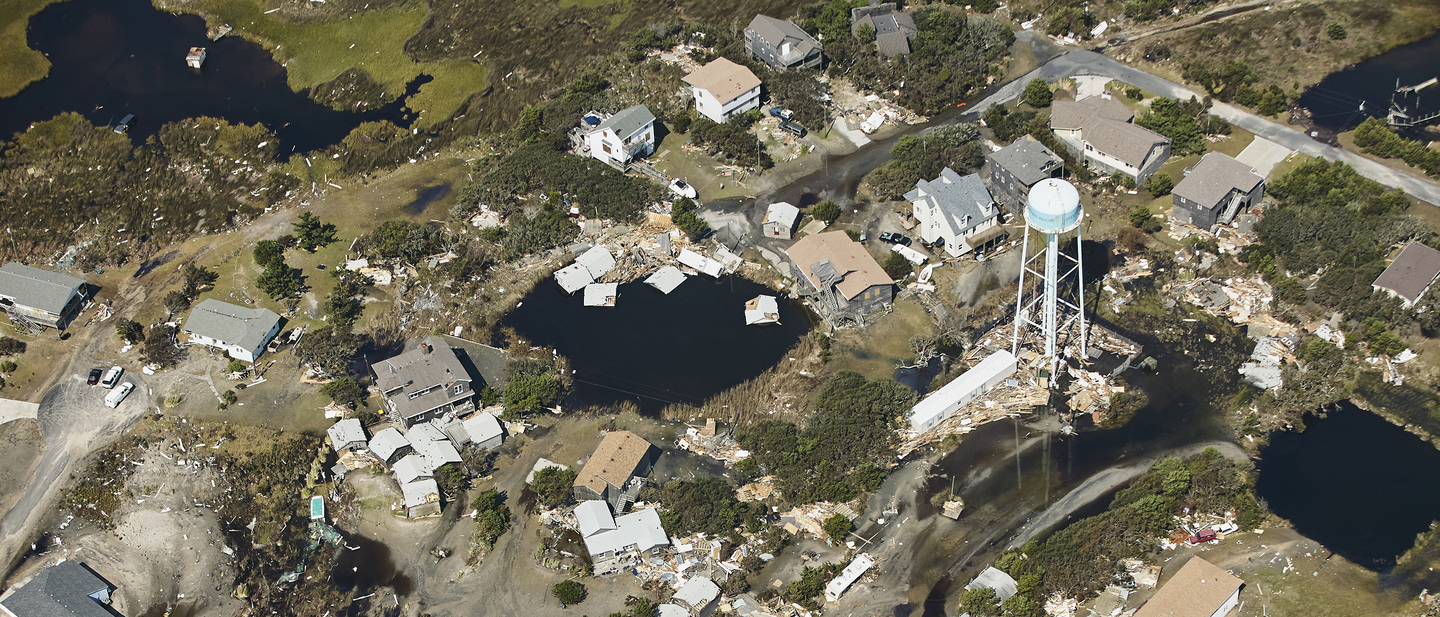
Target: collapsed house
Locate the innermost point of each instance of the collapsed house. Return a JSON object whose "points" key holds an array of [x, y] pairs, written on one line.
{"points": [[614, 542], [841, 273]]}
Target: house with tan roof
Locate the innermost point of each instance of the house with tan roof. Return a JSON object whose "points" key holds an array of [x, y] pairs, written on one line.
{"points": [[1215, 190], [1199, 589], [1068, 118], [1098, 129], [723, 89], [616, 470], [840, 269]]}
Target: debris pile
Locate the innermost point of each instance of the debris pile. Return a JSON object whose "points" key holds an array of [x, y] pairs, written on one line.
{"points": [[712, 443]]}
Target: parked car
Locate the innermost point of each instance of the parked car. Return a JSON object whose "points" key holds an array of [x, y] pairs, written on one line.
{"points": [[792, 128], [894, 238], [783, 114], [124, 124], [112, 377], [94, 377], [679, 187], [113, 399]]}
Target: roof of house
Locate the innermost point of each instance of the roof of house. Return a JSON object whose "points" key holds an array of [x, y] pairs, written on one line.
{"points": [[671, 610], [641, 529], [723, 79], [1214, 176], [848, 257], [431, 363], [1122, 140], [1078, 114], [1001, 582], [36, 288], [1196, 590], [1412, 271], [387, 442], [775, 31], [346, 431], [411, 468], [593, 516], [597, 261], [617, 456], [963, 201], [425, 431], [1000, 363], [420, 492], [781, 213], [573, 278], [61, 590], [483, 427], [247, 328], [666, 279], [629, 120], [601, 294], [697, 592], [891, 44], [1027, 159], [436, 452], [762, 309]]}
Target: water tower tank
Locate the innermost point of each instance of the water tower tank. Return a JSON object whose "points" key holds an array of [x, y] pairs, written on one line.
{"points": [[1054, 207]]}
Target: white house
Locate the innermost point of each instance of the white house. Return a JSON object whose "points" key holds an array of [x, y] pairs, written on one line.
{"points": [[934, 409], [780, 220], [620, 138], [723, 89], [955, 211], [241, 332]]}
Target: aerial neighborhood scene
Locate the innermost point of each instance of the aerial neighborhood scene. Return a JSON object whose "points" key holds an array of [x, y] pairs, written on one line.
{"points": [[730, 308]]}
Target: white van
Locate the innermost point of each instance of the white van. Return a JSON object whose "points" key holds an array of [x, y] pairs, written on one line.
{"points": [[113, 399], [112, 377]]}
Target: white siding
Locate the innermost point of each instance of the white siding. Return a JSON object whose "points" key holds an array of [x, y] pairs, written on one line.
{"points": [[935, 408], [708, 106]]}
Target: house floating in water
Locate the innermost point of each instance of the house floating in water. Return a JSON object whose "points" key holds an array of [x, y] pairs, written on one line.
{"points": [[589, 267], [196, 58], [601, 294], [762, 310], [666, 279]]}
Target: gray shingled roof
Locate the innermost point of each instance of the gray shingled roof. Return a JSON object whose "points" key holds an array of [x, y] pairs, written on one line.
{"points": [[36, 288], [627, 121], [230, 324], [892, 44], [387, 442], [1412, 271], [420, 369], [775, 31], [1214, 176], [1029, 160], [62, 590], [346, 431], [1078, 114], [1122, 140], [957, 197]]}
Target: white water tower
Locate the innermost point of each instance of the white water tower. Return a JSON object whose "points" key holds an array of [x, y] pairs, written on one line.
{"points": [[1053, 210]]}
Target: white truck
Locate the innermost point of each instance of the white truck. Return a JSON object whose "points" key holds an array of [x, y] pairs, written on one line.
{"points": [[112, 377], [116, 396]]}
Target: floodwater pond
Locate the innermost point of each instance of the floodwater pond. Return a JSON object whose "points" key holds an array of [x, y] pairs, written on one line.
{"points": [[1335, 102], [365, 564], [1355, 483], [110, 58], [656, 349]]}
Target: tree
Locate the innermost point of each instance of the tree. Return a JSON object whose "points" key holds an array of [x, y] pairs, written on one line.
{"points": [[311, 234], [1131, 239], [529, 393], [176, 302], [687, 217], [280, 281], [450, 480], [552, 485], [330, 349], [568, 592], [197, 279], [129, 330], [492, 516], [267, 252], [836, 528], [826, 211], [160, 346], [866, 34], [342, 307], [1336, 32], [1038, 94], [896, 266], [1134, 93], [344, 391], [980, 602], [1159, 185], [1141, 216]]}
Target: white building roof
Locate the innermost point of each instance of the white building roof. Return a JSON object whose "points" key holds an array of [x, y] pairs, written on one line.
{"points": [[411, 468], [700, 262], [762, 310], [1001, 582], [601, 294], [573, 278], [425, 432], [386, 442], [848, 576], [437, 452], [345, 432], [482, 427], [673, 610], [597, 260], [666, 279], [998, 364], [593, 516], [782, 213], [420, 492], [639, 529], [697, 592]]}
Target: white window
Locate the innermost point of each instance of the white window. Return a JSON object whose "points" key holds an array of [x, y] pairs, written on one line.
{"points": [[459, 387]]}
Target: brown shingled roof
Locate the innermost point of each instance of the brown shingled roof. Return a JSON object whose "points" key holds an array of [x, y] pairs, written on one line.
{"points": [[1196, 590], [723, 79], [617, 456], [849, 257], [1076, 114], [1412, 271]]}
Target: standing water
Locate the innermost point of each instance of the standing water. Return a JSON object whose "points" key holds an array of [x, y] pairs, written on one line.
{"points": [[1346, 98]]}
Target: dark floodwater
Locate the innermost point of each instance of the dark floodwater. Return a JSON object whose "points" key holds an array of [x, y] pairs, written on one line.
{"points": [[1335, 102], [655, 349], [110, 58], [368, 567], [1355, 483]]}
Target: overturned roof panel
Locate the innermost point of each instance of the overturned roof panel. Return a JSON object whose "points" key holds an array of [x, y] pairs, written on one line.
{"points": [[601, 294], [762, 310], [666, 279]]}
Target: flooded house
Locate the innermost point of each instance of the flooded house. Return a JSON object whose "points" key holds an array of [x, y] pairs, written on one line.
{"points": [[196, 58]]}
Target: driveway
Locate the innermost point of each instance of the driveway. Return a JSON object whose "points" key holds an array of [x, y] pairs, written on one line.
{"points": [[1263, 155]]}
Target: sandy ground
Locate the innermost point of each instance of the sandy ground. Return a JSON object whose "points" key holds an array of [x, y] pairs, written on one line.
{"points": [[20, 448]]}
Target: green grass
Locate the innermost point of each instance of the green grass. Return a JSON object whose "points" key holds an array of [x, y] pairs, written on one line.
{"points": [[874, 350], [589, 4], [314, 53], [19, 65], [1289, 164]]}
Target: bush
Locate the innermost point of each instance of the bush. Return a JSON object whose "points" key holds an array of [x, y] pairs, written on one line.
{"points": [[836, 528], [687, 217], [1141, 218], [280, 281], [526, 394], [568, 592], [916, 158], [450, 480], [330, 349], [553, 485], [1134, 93], [160, 346], [267, 252], [896, 266], [1336, 32], [1038, 93], [492, 516], [8, 366], [344, 391], [1159, 185], [731, 141], [235, 366], [826, 211], [129, 330]]}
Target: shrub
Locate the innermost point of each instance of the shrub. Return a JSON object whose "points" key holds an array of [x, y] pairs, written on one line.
{"points": [[129, 330], [311, 234], [235, 366], [553, 485], [1159, 185], [568, 592], [492, 516], [8, 366], [267, 252], [687, 217], [526, 394], [160, 346], [344, 391], [826, 211], [1336, 32], [1134, 93], [896, 266], [836, 527], [1038, 93]]}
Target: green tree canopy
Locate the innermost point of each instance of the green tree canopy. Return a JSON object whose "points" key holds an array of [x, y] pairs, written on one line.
{"points": [[836, 528], [568, 592], [311, 234], [1038, 94], [553, 485]]}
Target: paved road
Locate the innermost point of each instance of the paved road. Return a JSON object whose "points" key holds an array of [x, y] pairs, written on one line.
{"points": [[1080, 62]]}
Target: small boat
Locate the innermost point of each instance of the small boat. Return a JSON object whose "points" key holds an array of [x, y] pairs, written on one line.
{"points": [[124, 124], [679, 187]]}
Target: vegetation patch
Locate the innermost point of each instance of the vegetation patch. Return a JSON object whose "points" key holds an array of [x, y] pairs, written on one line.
{"points": [[19, 65]]}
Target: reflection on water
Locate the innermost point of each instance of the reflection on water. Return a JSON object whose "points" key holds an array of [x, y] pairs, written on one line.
{"points": [[1336, 102]]}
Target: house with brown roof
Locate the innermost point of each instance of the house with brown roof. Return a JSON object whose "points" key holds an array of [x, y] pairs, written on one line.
{"points": [[1099, 131], [841, 270], [893, 29], [617, 469], [1199, 589], [781, 44], [1412, 272], [723, 89], [1068, 118], [1215, 190]]}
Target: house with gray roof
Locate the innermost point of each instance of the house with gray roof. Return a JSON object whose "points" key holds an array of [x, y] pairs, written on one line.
{"points": [[1215, 190], [425, 382], [390, 446], [781, 44], [618, 139], [347, 434], [40, 298], [956, 212], [1098, 130], [422, 498], [411, 468], [1019, 166], [615, 542], [241, 332], [1069, 118], [66, 589], [893, 29], [484, 430], [1411, 274]]}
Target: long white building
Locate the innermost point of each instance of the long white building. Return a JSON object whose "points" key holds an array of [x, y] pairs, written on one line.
{"points": [[942, 403]]}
